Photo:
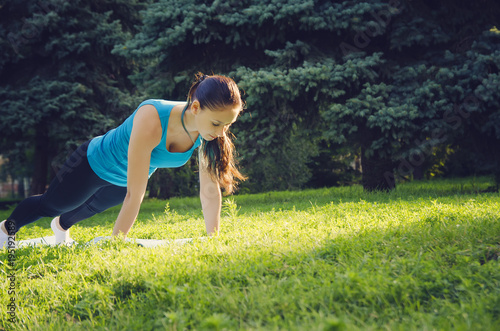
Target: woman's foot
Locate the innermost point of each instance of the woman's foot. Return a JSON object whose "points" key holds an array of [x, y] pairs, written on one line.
{"points": [[62, 236], [6, 240]]}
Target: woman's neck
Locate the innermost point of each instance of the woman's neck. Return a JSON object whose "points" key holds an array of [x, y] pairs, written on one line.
{"points": [[188, 119]]}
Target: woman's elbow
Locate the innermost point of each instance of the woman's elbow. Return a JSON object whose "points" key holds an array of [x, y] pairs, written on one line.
{"points": [[134, 196]]}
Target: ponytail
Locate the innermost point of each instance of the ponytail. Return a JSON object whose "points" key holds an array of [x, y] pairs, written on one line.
{"points": [[218, 155]]}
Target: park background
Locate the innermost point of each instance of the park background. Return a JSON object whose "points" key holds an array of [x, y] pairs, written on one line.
{"points": [[337, 92], [365, 97]]}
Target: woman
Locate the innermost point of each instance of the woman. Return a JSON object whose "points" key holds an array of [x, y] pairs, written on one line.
{"points": [[114, 168]]}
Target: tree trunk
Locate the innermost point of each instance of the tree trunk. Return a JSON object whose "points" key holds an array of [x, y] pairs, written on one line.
{"points": [[41, 162], [418, 172], [378, 173], [20, 187], [496, 170]]}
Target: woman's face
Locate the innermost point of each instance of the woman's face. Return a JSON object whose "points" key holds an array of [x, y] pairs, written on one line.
{"points": [[213, 123]]}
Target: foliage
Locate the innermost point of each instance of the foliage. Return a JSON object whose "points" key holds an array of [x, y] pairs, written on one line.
{"points": [[376, 76], [168, 183], [459, 94], [424, 256], [433, 68], [335, 166], [60, 85], [237, 38]]}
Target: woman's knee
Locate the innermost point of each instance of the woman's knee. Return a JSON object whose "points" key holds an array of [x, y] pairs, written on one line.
{"points": [[50, 212]]}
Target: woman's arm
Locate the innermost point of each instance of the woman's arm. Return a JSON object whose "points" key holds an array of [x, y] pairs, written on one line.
{"points": [[211, 198], [145, 136]]}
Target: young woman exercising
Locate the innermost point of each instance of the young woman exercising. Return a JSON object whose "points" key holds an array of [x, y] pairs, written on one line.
{"points": [[114, 168]]}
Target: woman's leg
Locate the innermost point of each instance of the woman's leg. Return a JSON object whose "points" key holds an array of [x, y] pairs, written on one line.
{"points": [[73, 185], [106, 197]]}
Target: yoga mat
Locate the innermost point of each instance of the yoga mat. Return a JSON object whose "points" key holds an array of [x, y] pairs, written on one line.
{"points": [[50, 241]]}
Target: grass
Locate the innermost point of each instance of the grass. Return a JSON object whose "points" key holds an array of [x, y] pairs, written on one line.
{"points": [[423, 257]]}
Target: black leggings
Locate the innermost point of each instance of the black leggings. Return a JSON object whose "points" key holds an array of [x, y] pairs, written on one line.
{"points": [[76, 193]]}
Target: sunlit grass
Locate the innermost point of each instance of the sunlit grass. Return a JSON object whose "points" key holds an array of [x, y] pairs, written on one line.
{"points": [[423, 257]]}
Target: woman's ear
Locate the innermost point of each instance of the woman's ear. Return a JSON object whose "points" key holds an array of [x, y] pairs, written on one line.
{"points": [[195, 107]]}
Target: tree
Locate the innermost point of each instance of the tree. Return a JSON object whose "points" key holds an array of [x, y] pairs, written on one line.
{"points": [[271, 47], [59, 82], [383, 77], [398, 90]]}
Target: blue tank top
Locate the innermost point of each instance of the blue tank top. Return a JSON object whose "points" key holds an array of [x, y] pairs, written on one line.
{"points": [[108, 154]]}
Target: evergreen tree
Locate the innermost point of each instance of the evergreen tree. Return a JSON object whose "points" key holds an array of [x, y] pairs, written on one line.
{"points": [[59, 82], [387, 77], [396, 90], [277, 52]]}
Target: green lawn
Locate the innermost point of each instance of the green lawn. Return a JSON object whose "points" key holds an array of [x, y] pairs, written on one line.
{"points": [[424, 257]]}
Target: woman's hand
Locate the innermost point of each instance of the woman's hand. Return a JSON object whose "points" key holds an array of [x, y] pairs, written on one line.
{"points": [[211, 198], [145, 136]]}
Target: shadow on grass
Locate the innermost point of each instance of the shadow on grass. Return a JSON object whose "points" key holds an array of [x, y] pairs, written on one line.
{"points": [[426, 272]]}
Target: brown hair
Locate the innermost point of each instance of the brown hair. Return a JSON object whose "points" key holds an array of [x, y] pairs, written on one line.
{"points": [[217, 92]]}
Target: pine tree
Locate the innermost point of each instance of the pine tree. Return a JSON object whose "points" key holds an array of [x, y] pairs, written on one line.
{"points": [[274, 49], [383, 77], [59, 82]]}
